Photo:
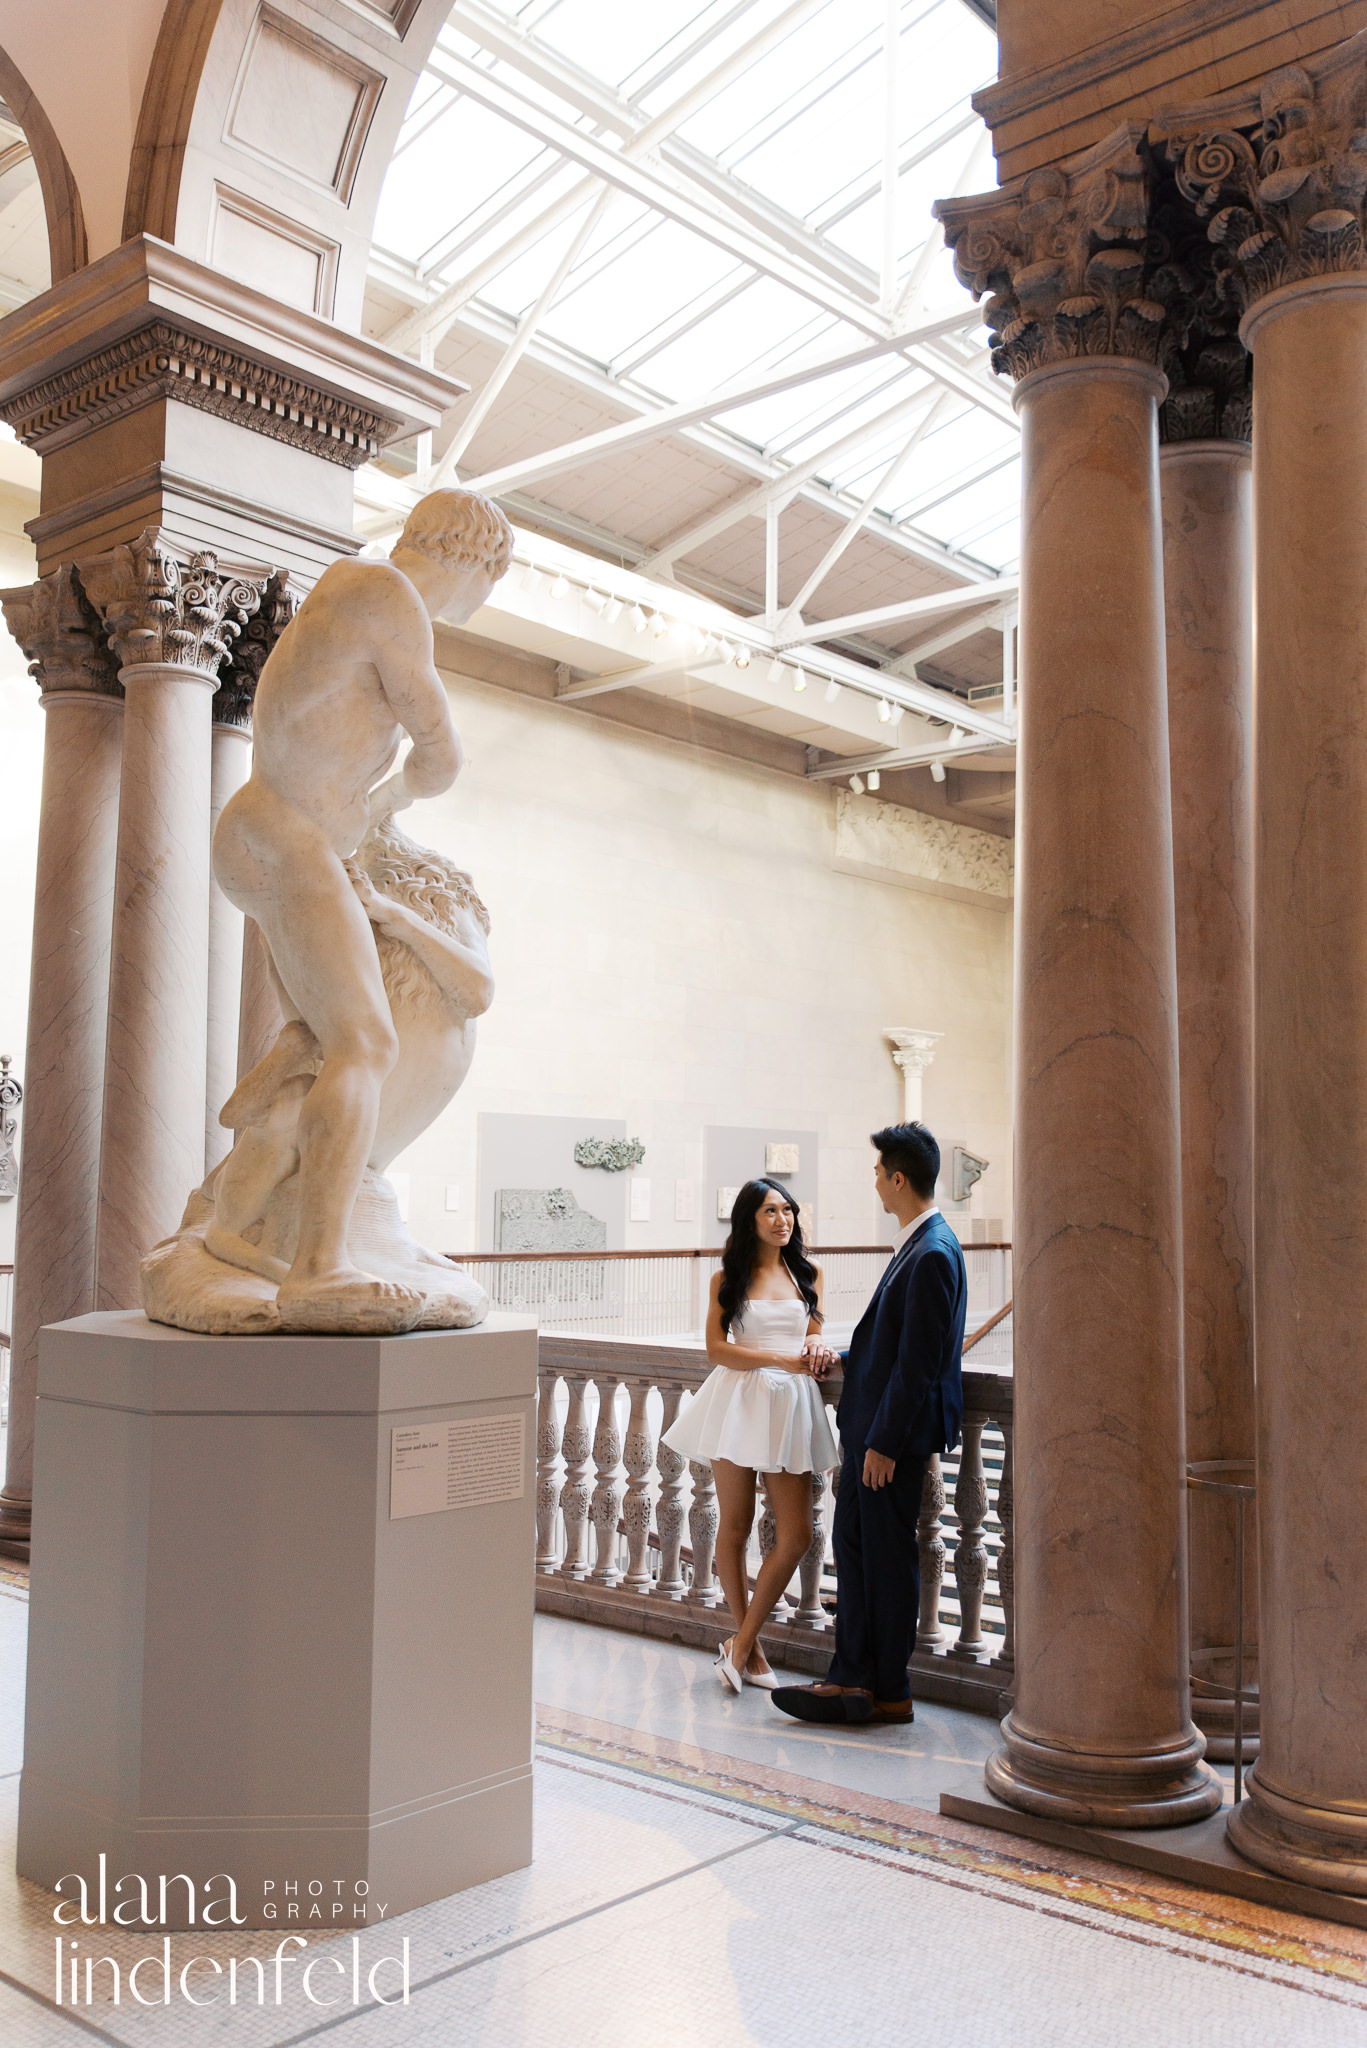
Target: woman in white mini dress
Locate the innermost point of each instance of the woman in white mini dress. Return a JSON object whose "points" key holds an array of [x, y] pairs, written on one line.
{"points": [[760, 1410]]}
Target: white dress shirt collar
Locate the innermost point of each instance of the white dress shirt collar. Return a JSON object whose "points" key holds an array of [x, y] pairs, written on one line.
{"points": [[909, 1230]]}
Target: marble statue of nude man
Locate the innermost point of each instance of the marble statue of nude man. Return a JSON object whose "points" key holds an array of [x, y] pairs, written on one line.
{"points": [[351, 675]]}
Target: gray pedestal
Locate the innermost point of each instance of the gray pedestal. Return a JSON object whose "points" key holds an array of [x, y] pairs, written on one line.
{"points": [[241, 1660]]}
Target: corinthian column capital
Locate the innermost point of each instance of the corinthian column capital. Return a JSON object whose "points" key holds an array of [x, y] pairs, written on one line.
{"points": [[165, 609], [61, 636], [1062, 256], [252, 649], [912, 1051], [1276, 173]]}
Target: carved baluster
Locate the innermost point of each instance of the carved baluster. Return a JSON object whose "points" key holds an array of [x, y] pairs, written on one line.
{"points": [[811, 1613], [639, 1459], [606, 1507], [703, 1522], [669, 1510], [574, 1494], [768, 1536], [970, 1553], [930, 1550], [1005, 1660], [548, 1471]]}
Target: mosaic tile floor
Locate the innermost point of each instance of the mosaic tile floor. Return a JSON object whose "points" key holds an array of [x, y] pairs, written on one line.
{"points": [[713, 1899]]}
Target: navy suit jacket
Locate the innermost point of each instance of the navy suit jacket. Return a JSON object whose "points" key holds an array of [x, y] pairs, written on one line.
{"points": [[903, 1392]]}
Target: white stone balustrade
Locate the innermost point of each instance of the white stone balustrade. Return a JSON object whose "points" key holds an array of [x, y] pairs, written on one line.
{"points": [[626, 1528]]}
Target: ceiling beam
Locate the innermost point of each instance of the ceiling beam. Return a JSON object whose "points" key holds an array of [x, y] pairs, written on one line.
{"points": [[900, 757], [670, 418], [786, 485], [897, 614]]}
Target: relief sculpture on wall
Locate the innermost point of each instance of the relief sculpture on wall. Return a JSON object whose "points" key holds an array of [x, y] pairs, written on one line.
{"points": [[377, 947]]}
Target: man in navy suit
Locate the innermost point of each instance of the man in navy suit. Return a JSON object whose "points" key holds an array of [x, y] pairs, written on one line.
{"points": [[902, 1400]]}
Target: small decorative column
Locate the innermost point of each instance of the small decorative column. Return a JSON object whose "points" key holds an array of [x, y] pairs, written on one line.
{"points": [[913, 1052], [171, 624], [1101, 1731], [1206, 470], [54, 1266], [1286, 218]]}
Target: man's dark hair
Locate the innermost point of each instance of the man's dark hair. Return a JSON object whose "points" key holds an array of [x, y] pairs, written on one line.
{"points": [[910, 1149]]}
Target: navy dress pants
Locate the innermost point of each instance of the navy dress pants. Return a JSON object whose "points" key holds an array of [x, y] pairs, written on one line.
{"points": [[878, 1577]]}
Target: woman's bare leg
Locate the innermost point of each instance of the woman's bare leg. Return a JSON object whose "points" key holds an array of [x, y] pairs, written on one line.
{"points": [[790, 1496], [736, 1514]]}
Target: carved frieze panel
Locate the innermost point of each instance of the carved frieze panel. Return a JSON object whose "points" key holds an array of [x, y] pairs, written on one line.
{"points": [[165, 361], [62, 635]]}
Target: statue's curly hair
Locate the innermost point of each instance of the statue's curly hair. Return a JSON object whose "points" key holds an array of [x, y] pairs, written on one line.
{"points": [[461, 527]]}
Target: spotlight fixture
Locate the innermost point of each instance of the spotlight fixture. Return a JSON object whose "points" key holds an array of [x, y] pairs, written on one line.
{"points": [[776, 671], [742, 657], [638, 619], [832, 690], [899, 712], [612, 610], [957, 733], [799, 679], [726, 650], [857, 784], [561, 587], [875, 779], [697, 640], [659, 625], [884, 709], [937, 769], [595, 601]]}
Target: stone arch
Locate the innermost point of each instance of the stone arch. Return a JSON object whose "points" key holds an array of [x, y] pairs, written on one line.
{"points": [[66, 234], [288, 204]]}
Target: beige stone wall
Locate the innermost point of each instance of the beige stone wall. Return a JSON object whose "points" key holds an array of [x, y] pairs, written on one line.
{"points": [[677, 943]]}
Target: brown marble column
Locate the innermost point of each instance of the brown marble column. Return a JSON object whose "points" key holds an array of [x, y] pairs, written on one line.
{"points": [[1306, 1810], [1208, 581], [171, 623], [54, 1265], [1101, 1731]]}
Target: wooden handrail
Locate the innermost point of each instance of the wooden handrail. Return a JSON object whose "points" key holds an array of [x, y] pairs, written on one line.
{"points": [[990, 1324]]}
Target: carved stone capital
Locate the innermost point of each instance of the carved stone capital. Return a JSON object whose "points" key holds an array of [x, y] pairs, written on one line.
{"points": [[913, 1051], [61, 635], [1277, 173], [251, 650], [1062, 255], [159, 607]]}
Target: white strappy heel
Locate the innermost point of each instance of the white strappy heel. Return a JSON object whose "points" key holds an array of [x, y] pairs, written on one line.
{"points": [[726, 1670]]}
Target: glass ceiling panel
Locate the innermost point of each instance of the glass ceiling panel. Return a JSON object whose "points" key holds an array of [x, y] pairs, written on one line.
{"points": [[677, 312]]}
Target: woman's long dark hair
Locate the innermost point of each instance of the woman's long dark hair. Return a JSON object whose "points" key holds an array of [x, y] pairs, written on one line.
{"points": [[741, 1251]]}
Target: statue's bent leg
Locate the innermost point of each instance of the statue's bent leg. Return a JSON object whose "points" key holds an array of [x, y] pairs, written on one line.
{"points": [[324, 952]]}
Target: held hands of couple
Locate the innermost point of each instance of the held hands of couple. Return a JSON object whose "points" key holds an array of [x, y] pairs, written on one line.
{"points": [[816, 1359]]}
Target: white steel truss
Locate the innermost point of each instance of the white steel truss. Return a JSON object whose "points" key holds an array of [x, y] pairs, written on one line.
{"points": [[596, 139]]}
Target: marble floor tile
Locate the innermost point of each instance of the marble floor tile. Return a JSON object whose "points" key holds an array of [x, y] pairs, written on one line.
{"points": [[665, 1689], [708, 1876]]}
